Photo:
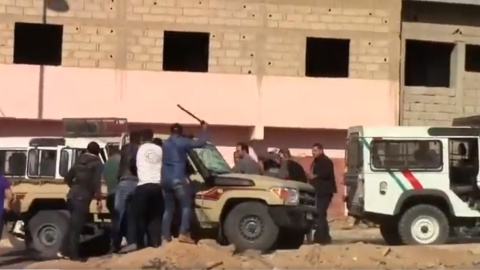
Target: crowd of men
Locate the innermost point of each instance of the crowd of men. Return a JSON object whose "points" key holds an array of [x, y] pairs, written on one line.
{"points": [[147, 178]]}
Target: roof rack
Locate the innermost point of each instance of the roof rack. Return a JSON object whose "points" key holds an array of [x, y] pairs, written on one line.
{"points": [[94, 127], [473, 120]]}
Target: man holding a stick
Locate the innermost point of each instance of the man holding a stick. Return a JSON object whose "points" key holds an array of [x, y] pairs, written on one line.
{"points": [[175, 184]]}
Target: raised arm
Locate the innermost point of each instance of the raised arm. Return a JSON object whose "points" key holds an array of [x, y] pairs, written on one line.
{"points": [[188, 143]]}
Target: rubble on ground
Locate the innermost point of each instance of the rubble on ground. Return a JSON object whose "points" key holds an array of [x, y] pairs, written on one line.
{"points": [[207, 254]]}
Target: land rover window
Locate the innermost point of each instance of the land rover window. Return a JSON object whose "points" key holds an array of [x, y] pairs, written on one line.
{"points": [[13, 163], [78, 151], [354, 153], [64, 163], [406, 154], [42, 163]]}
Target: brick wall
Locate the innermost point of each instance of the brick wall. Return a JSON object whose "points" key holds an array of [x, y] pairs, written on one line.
{"points": [[246, 36], [440, 22]]}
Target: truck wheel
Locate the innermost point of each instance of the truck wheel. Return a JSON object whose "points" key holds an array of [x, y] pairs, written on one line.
{"points": [[291, 239], [423, 224], [249, 226], [47, 229], [389, 232]]}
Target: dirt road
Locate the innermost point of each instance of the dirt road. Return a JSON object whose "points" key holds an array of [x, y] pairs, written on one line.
{"points": [[351, 249]]}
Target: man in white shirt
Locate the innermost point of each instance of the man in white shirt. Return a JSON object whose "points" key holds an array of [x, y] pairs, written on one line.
{"points": [[148, 199]]}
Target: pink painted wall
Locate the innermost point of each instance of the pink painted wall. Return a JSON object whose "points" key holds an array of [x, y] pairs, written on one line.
{"points": [[240, 100]]}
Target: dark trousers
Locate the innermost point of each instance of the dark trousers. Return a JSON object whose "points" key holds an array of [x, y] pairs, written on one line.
{"points": [[79, 211], [147, 205], [179, 190], [322, 232]]}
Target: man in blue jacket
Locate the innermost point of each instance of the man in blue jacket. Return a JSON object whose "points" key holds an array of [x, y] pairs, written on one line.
{"points": [[174, 180]]}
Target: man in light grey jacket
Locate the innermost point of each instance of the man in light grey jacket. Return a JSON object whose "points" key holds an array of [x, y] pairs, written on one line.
{"points": [[246, 164]]}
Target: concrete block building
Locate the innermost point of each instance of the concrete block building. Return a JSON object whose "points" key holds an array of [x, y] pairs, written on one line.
{"points": [[282, 73], [441, 63]]}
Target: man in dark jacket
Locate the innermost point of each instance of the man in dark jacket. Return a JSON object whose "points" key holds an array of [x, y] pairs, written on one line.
{"points": [[294, 171], [322, 177], [84, 181]]}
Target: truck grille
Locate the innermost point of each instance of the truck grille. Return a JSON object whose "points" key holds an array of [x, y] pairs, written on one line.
{"points": [[307, 198]]}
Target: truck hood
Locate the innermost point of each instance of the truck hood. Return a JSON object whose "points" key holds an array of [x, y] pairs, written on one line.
{"points": [[267, 181]]}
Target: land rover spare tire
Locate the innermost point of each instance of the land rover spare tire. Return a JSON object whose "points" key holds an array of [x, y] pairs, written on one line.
{"points": [[423, 224], [249, 226], [47, 229]]}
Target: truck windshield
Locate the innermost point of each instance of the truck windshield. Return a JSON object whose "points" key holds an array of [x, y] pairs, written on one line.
{"points": [[212, 159]]}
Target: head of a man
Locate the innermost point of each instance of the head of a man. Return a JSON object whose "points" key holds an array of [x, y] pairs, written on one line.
{"points": [[147, 135], [242, 149], [135, 137], [284, 153], [176, 129], [317, 150], [158, 141], [93, 148]]}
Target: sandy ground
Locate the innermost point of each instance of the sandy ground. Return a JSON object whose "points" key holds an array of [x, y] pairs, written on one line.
{"points": [[352, 248]]}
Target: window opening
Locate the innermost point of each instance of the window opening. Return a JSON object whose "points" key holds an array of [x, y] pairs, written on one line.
{"points": [[13, 162], [38, 44], [42, 163], [427, 63], [186, 51], [327, 57], [472, 58], [411, 155]]}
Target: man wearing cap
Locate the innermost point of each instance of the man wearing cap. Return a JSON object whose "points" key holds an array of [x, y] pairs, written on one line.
{"points": [[322, 177], [175, 184]]}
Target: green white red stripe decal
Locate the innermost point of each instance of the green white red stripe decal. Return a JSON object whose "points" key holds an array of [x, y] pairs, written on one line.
{"points": [[397, 177]]}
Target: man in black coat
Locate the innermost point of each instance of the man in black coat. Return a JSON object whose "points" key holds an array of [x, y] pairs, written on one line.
{"points": [[322, 177], [84, 180]]}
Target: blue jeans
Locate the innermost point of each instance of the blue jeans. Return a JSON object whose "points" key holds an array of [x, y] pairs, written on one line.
{"points": [[123, 192], [180, 190]]}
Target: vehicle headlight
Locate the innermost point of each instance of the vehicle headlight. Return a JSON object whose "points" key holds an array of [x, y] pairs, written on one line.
{"points": [[290, 196]]}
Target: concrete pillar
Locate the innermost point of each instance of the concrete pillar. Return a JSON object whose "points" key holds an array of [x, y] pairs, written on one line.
{"points": [[457, 69]]}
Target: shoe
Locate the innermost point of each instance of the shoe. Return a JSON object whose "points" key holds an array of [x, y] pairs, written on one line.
{"points": [[129, 248], [61, 256], [166, 240], [185, 238]]}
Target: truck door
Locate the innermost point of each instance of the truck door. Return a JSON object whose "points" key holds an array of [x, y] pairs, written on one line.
{"points": [[42, 162], [66, 161]]}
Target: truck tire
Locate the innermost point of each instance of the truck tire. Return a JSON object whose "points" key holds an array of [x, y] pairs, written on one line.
{"points": [[423, 224], [390, 233], [249, 226], [47, 229]]}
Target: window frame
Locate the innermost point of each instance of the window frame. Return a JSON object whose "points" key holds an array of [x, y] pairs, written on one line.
{"points": [[38, 158], [439, 168], [61, 162], [15, 150]]}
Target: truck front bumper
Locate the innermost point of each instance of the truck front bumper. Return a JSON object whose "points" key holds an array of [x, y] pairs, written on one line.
{"points": [[299, 217]]}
